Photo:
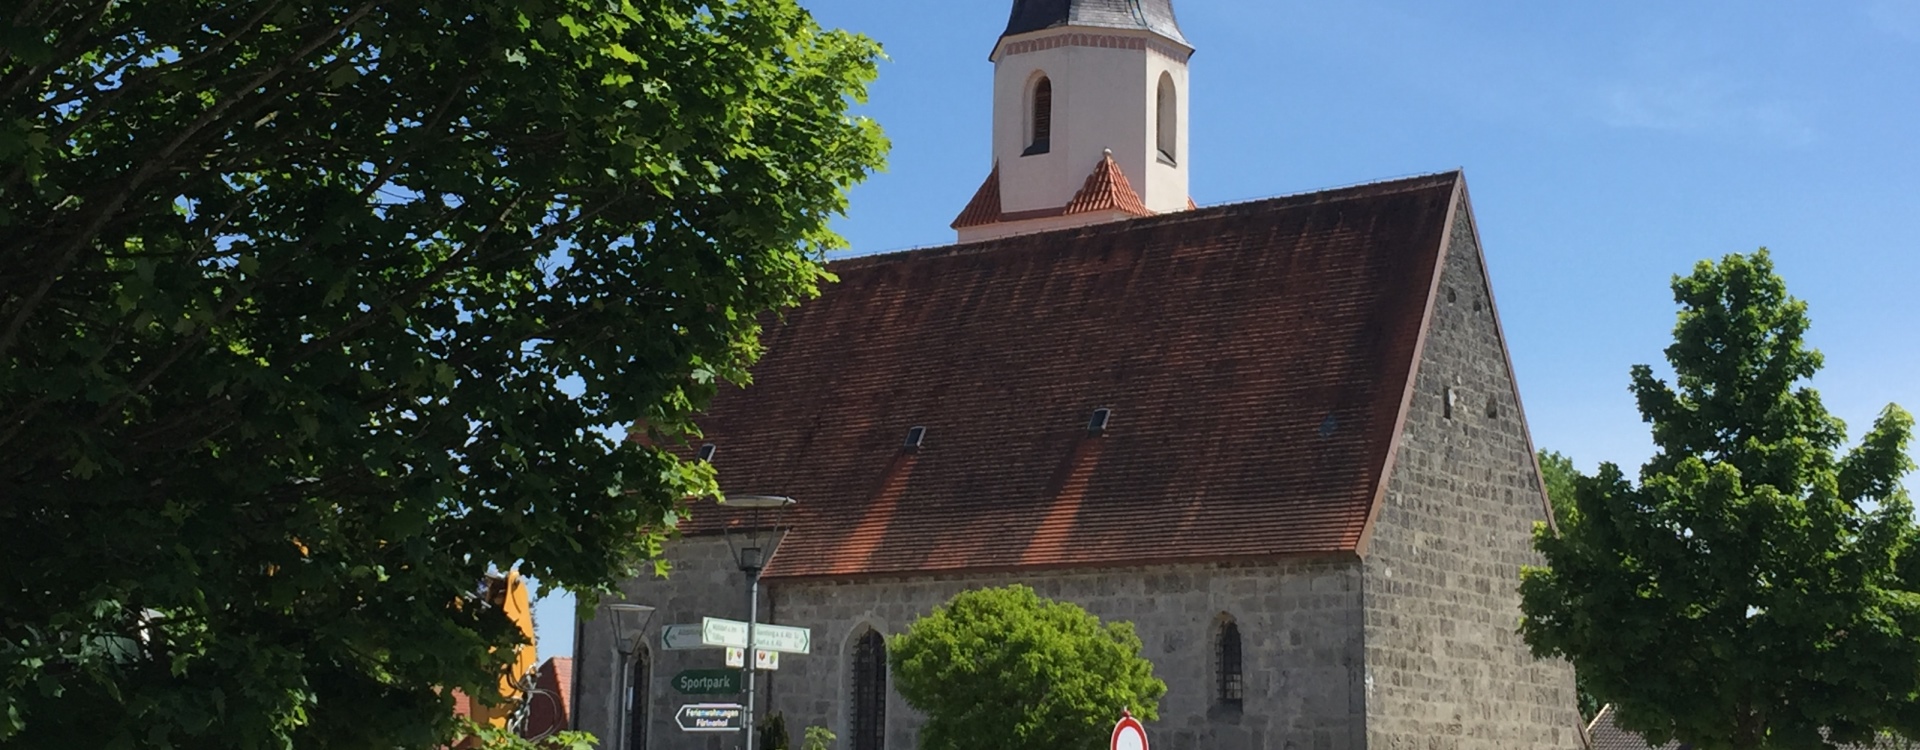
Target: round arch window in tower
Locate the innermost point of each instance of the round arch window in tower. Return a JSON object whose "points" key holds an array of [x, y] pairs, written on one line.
{"points": [[1168, 131], [1040, 118]]}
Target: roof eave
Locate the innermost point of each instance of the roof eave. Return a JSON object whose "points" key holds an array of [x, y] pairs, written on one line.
{"points": [[1335, 556], [1181, 43]]}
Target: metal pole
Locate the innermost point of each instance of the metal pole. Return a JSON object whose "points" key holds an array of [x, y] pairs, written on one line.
{"points": [[625, 699], [753, 613]]}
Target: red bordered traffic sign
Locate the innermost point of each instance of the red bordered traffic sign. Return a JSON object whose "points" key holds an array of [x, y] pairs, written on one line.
{"points": [[1128, 734]]}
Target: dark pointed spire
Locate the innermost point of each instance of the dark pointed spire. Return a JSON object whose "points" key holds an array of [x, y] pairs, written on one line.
{"points": [[1153, 15]]}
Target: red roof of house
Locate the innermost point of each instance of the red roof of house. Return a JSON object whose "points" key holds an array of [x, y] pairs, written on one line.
{"points": [[1256, 359], [550, 707]]}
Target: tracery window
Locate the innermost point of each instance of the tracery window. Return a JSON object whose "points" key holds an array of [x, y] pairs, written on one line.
{"points": [[869, 720], [1230, 687]]}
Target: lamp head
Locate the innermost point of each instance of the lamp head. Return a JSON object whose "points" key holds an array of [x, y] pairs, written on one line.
{"points": [[629, 623], [752, 545]]}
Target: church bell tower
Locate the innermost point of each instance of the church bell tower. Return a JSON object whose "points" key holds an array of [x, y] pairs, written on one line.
{"points": [[1089, 118]]}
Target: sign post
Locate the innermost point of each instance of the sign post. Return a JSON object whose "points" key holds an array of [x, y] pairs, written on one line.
{"points": [[710, 717], [1128, 734]]}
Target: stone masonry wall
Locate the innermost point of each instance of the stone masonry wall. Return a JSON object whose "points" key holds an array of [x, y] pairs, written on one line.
{"points": [[704, 583], [1299, 623], [1446, 669]]}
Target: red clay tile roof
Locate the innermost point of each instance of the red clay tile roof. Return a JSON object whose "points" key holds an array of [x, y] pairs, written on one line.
{"points": [[1255, 356], [549, 709], [985, 206], [1107, 189]]}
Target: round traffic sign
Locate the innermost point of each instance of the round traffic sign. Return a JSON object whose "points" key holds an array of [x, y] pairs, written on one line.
{"points": [[1129, 734]]}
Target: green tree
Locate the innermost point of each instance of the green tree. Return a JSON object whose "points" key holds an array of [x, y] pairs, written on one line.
{"points": [[1005, 668], [312, 312], [818, 738], [773, 732], [1561, 479], [1756, 585]]}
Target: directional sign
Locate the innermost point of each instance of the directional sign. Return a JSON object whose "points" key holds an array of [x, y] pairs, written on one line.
{"points": [[709, 717], [717, 632], [707, 682], [681, 637]]}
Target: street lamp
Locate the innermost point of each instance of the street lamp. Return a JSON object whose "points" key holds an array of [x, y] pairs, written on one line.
{"points": [[749, 546], [629, 623]]}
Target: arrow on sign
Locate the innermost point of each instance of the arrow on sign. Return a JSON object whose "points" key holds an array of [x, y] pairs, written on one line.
{"points": [[681, 638]]}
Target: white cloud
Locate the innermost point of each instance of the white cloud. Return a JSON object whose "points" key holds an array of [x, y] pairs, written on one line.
{"points": [[1673, 78], [1703, 105], [1900, 17]]}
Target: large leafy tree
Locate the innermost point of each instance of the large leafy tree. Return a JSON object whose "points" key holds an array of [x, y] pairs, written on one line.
{"points": [[294, 294], [1005, 668], [1757, 585], [1559, 477], [1561, 480]]}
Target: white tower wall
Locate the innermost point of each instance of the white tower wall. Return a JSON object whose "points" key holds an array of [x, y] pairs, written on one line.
{"points": [[1105, 97]]}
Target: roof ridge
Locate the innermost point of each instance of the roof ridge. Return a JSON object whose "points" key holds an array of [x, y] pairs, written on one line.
{"points": [[1354, 191]]}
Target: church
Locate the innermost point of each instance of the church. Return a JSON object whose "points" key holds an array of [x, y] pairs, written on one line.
{"points": [[1282, 438]]}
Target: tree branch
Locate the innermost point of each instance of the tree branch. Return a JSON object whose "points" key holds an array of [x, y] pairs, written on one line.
{"points": [[66, 257]]}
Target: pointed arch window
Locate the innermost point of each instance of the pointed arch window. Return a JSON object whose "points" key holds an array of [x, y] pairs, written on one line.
{"points": [[637, 700], [1040, 127], [1167, 133], [869, 720], [1230, 679]]}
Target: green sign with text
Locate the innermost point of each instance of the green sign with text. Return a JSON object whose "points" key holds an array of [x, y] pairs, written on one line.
{"points": [[707, 682]]}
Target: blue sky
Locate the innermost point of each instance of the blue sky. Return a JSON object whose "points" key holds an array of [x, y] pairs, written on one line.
{"points": [[1608, 146]]}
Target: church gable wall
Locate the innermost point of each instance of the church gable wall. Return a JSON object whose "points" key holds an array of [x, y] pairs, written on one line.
{"points": [[1446, 669]]}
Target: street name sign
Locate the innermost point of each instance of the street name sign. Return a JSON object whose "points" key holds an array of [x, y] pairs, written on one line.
{"points": [[707, 682], [733, 633], [681, 637], [709, 717]]}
